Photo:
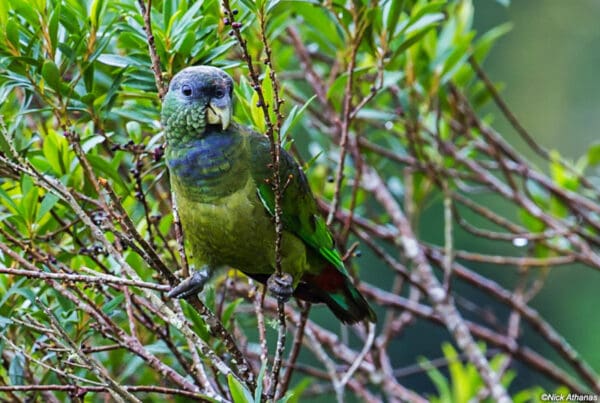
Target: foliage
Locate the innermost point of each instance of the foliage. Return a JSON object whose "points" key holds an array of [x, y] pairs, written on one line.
{"points": [[381, 104], [464, 383]]}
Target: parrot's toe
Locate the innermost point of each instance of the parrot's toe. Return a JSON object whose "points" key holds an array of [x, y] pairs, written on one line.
{"points": [[190, 286], [281, 286]]}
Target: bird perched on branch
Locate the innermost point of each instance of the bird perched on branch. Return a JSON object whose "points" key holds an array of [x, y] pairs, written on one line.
{"points": [[220, 176]]}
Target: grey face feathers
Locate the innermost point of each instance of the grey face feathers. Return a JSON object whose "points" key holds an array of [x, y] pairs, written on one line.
{"points": [[201, 83], [198, 96]]}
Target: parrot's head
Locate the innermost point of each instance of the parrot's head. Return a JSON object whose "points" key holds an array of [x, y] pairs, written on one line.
{"points": [[198, 96]]}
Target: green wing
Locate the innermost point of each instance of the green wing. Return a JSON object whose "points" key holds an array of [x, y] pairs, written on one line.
{"points": [[299, 208]]}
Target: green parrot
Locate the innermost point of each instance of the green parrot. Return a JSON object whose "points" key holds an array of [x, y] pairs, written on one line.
{"points": [[219, 173]]}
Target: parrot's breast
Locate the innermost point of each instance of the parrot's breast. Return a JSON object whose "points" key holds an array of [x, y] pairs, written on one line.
{"points": [[208, 168], [233, 230], [236, 231]]}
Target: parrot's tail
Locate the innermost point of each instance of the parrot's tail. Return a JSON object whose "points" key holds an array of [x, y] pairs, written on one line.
{"points": [[349, 305], [337, 291]]}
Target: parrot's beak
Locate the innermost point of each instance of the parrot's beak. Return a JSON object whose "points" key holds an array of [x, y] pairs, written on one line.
{"points": [[219, 114]]}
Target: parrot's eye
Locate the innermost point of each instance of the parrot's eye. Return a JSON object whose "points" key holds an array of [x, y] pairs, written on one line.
{"points": [[219, 93], [186, 90]]}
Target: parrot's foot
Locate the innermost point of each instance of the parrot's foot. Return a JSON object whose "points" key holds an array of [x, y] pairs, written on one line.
{"points": [[280, 286], [190, 286]]}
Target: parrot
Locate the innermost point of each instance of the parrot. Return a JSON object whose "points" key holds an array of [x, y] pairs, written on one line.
{"points": [[220, 174]]}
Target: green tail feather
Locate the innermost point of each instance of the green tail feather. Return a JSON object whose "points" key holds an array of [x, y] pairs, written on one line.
{"points": [[346, 302], [349, 305]]}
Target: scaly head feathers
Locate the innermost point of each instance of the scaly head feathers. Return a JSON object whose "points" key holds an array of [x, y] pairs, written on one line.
{"points": [[198, 96]]}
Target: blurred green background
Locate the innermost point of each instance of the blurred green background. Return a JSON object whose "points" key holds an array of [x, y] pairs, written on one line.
{"points": [[548, 66]]}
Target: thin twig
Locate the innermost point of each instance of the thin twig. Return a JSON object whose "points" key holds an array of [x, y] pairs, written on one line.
{"points": [[274, 134], [95, 279], [158, 77]]}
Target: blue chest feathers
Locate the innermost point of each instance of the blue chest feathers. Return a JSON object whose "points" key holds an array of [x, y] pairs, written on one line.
{"points": [[208, 167]]}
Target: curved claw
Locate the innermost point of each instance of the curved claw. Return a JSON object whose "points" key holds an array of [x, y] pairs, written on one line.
{"points": [[281, 286], [190, 286]]}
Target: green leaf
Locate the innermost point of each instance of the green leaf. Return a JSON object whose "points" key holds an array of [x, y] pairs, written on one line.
{"points": [[456, 58], [460, 382], [8, 200], [439, 380], [167, 11], [25, 10], [311, 162], [228, 312], [272, 4], [26, 293], [4, 322], [250, 4], [402, 43], [200, 326], [392, 10], [259, 381], [110, 306], [269, 94], [132, 366], [104, 168], [210, 297], [159, 347], [88, 78], [293, 117], [294, 395], [96, 10], [29, 201], [116, 60], [68, 308], [425, 21], [51, 75], [560, 174], [257, 114], [218, 51], [338, 85], [16, 289], [239, 393], [12, 32], [376, 114], [4, 7], [185, 43], [47, 203], [89, 143], [53, 25], [593, 154], [532, 223], [485, 42], [55, 150], [16, 369], [134, 130], [188, 21]]}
